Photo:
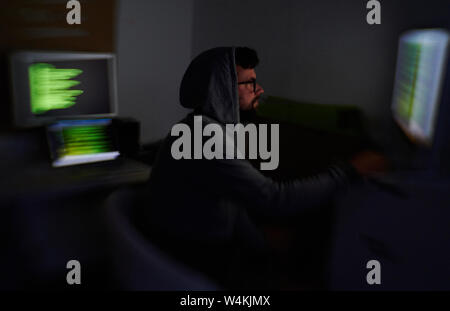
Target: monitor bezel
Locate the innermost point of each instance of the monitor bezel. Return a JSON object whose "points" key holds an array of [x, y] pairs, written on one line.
{"points": [[19, 62]]}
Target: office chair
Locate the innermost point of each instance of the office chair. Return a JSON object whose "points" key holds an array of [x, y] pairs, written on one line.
{"points": [[137, 263]]}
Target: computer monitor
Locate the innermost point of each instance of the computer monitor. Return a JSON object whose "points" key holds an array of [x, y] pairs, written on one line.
{"points": [[74, 142], [421, 70], [51, 86]]}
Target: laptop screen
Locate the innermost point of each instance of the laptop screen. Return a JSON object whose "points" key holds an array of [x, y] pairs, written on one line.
{"points": [[81, 141]]}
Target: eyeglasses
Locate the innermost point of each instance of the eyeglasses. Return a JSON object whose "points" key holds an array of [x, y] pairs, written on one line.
{"points": [[252, 81]]}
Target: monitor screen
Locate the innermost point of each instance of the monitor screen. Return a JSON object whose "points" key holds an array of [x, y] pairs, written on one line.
{"points": [[421, 62], [48, 86], [81, 141]]}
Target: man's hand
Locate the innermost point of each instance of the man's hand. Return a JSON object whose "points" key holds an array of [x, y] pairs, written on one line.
{"points": [[367, 162]]}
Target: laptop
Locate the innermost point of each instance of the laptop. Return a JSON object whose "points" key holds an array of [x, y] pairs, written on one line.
{"points": [[75, 142]]}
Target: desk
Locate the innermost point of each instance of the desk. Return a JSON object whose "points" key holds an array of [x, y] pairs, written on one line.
{"points": [[408, 234], [52, 215], [39, 178]]}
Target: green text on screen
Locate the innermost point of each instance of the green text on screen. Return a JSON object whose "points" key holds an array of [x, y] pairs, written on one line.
{"points": [[50, 87]]}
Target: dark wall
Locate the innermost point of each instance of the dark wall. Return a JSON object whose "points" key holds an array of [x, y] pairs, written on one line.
{"points": [[154, 50], [320, 51]]}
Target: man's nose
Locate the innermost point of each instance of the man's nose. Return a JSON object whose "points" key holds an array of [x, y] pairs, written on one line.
{"points": [[259, 89]]}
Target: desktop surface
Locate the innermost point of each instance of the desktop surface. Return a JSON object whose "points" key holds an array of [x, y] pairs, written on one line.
{"points": [[41, 178], [407, 230]]}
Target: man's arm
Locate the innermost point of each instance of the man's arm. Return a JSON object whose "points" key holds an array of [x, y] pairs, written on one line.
{"points": [[240, 181]]}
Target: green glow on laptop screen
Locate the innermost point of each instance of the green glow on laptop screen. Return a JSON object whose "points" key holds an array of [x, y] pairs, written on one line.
{"points": [[82, 141]]}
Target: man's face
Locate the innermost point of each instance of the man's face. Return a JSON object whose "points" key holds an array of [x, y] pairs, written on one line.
{"points": [[248, 97]]}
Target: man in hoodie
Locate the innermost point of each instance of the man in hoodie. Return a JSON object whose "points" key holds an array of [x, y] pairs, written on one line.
{"points": [[198, 209]]}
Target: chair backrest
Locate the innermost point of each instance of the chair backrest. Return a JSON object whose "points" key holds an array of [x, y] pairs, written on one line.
{"points": [[137, 263]]}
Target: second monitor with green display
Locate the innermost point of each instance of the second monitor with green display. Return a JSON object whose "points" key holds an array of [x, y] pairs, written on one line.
{"points": [[51, 86]]}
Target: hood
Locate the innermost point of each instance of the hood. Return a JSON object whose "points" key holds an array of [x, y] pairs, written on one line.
{"points": [[209, 86]]}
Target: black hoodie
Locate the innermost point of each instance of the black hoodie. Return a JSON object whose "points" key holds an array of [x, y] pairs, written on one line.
{"points": [[207, 201]]}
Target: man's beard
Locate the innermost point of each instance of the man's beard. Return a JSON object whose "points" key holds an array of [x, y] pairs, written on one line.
{"points": [[247, 116]]}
